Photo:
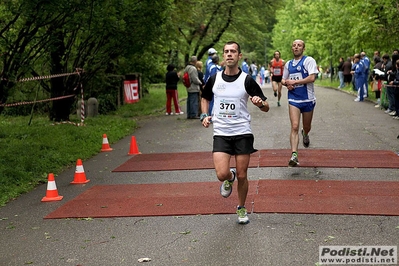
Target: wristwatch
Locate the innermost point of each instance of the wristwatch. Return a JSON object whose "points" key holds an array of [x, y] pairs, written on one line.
{"points": [[261, 105]]}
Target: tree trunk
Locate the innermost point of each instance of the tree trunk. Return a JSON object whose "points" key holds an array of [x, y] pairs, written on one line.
{"points": [[60, 108]]}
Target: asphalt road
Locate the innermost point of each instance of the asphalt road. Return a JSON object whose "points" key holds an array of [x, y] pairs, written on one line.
{"points": [[269, 239]]}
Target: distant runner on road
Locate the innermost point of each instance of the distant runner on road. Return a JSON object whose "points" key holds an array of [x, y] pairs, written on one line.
{"points": [[276, 72]]}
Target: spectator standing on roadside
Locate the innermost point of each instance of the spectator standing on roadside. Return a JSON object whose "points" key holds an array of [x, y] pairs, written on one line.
{"points": [[208, 63], [346, 71], [377, 76], [213, 70], [387, 68], [199, 65], [262, 75], [244, 66], [171, 79], [376, 54], [393, 81], [232, 134], [254, 70], [366, 62], [358, 74], [193, 90], [341, 73], [391, 89]]}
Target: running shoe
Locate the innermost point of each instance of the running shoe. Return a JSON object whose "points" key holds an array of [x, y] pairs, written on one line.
{"points": [[242, 215], [227, 186], [275, 94], [306, 140], [293, 161], [278, 104]]}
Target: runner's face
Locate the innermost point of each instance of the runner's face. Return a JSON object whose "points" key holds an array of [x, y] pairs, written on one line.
{"points": [[277, 55], [297, 48], [231, 55]]}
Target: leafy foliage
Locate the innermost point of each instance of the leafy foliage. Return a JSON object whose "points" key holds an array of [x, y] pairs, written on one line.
{"points": [[42, 37], [205, 24], [333, 29]]}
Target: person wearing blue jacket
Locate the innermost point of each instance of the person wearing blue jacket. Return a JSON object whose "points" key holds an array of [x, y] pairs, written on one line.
{"points": [[366, 63], [244, 66], [359, 76], [208, 64], [214, 68]]}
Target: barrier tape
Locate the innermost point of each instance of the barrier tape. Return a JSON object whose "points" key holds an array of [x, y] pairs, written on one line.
{"points": [[48, 77], [39, 101], [82, 112], [77, 72]]}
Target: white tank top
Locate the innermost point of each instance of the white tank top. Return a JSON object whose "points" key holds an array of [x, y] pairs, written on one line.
{"points": [[230, 116]]}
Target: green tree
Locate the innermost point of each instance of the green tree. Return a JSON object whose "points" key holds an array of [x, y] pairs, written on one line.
{"points": [[102, 37], [332, 29], [204, 24]]}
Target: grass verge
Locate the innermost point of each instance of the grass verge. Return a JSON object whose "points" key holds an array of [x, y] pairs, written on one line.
{"points": [[29, 152]]}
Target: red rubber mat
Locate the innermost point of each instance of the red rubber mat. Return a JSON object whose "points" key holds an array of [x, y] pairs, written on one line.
{"points": [[328, 197], [175, 161], [152, 200], [264, 158], [266, 196], [332, 158]]}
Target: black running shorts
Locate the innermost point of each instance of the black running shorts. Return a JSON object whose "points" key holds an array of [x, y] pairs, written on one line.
{"points": [[277, 78], [234, 145]]}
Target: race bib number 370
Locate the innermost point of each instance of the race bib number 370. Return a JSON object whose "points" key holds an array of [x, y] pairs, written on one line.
{"points": [[228, 108]]}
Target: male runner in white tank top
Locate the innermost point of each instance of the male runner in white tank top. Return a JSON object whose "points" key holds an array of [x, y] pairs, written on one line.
{"points": [[230, 117]]}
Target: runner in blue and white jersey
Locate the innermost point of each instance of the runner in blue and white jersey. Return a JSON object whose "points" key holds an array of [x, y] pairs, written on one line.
{"points": [[299, 76]]}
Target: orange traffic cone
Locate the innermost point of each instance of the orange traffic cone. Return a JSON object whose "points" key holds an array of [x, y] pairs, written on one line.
{"points": [[105, 146], [133, 147], [52, 192], [80, 176]]}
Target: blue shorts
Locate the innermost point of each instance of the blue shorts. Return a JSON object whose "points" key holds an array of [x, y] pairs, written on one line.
{"points": [[304, 107]]}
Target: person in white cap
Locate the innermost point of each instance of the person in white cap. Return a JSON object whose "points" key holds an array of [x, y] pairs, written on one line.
{"points": [[208, 63]]}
